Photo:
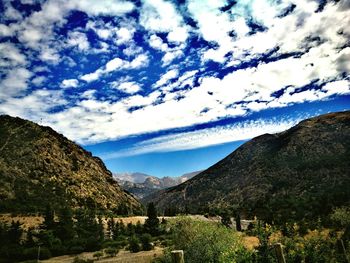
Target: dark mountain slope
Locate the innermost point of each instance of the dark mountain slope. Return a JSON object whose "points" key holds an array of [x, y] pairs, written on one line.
{"points": [[302, 172], [39, 166]]}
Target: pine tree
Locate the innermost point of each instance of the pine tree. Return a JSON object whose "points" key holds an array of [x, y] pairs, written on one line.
{"points": [[111, 228], [65, 225], [49, 218], [15, 233], [152, 222]]}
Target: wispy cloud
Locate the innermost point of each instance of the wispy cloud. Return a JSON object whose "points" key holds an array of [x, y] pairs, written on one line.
{"points": [[206, 137]]}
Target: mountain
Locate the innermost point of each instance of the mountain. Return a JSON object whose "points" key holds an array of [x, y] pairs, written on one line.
{"points": [[142, 185], [39, 166], [303, 172], [131, 177]]}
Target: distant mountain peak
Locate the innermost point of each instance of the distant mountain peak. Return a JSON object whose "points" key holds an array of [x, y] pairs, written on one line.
{"points": [[141, 185]]}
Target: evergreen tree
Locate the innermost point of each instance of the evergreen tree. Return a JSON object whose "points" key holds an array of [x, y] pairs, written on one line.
{"points": [[226, 219], [152, 222], [130, 230], [138, 228], [49, 218], [29, 242], [15, 233], [111, 228], [238, 222], [65, 225], [134, 244]]}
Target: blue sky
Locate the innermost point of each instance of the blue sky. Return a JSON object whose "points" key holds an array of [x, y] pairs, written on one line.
{"points": [[168, 87]]}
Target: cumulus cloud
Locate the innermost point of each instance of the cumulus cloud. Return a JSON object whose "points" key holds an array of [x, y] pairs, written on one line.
{"points": [[166, 78], [107, 7], [117, 64], [15, 82], [129, 87], [69, 83], [162, 16], [260, 50], [79, 40]]}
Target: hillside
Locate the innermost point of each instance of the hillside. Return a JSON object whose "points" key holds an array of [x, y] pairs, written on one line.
{"points": [[39, 166], [142, 185], [302, 172]]}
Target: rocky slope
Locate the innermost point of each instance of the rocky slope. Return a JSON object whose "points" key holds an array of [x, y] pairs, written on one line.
{"points": [[39, 166], [302, 172], [142, 185]]}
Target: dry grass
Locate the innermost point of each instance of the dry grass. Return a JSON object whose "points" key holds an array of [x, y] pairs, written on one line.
{"points": [[35, 221], [250, 242], [122, 257], [27, 221]]}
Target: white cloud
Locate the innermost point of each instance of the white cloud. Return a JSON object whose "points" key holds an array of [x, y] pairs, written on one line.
{"points": [[178, 35], [169, 53], [49, 55], [117, 64], [207, 137], [130, 87], [124, 35], [106, 7], [34, 106], [15, 82], [92, 76], [37, 81], [162, 16], [114, 64], [79, 40], [166, 77], [69, 83], [11, 56], [5, 31], [138, 62], [11, 13]]}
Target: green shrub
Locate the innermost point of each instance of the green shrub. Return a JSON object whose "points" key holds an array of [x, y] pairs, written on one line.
{"points": [[111, 252], [208, 242], [146, 242], [98, 254], [134, 244]]}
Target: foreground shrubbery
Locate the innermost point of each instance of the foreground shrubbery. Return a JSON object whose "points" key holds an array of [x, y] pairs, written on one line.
{"points": [[206, 242], [212, 242]]}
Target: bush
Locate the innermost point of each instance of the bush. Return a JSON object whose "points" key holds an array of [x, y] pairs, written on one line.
{"points": [[98, 254], [134, 245], [111, 252], [146, 242], [208, 242]]}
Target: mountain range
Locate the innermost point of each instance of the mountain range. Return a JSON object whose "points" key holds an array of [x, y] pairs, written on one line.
{"points": [[303, 172], [39, 166], [142, 185]]}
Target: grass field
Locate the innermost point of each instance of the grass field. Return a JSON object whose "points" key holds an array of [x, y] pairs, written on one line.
{"points": [[123, 256]]}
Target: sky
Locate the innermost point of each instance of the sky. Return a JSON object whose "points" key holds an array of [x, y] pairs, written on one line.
{"points": [[167, 87]]}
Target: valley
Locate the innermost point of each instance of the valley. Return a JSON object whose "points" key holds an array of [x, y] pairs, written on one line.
{"points": [[271, 189]]}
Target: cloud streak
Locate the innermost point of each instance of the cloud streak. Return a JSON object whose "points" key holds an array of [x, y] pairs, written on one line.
{"points": [[206, 137]]}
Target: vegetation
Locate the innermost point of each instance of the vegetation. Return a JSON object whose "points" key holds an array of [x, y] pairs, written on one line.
{"points": [[296, 175], [214, 242], [40, 167], [73, 232]]}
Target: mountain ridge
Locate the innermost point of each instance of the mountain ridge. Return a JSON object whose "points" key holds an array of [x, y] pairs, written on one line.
{"points": [[142, 185], [306, 165], [39, 166]]}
